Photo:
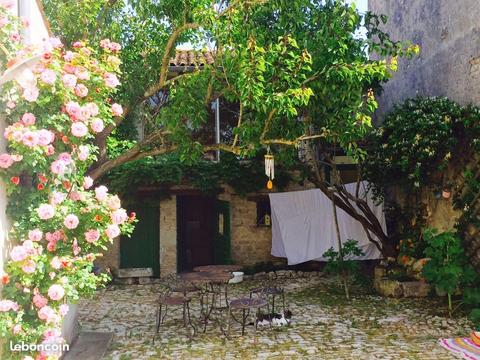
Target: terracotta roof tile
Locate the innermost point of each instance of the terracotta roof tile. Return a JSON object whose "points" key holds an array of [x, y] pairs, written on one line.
{"points": [[192, 58]]}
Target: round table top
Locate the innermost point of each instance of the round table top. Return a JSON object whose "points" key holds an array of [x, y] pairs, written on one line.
{"points": [[247, 303], [205, 276], [218, 268]]}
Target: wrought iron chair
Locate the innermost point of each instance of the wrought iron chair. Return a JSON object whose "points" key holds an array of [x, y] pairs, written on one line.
{"points": [[270, 290], [175, 293]]}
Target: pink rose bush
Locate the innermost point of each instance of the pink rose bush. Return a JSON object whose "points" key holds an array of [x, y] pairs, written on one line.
{"points": [[63, 221]]}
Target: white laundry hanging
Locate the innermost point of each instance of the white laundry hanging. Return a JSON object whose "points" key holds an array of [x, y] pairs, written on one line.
{"points": [[303, 227]]}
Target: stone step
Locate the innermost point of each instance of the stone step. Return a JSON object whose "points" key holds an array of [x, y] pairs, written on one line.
{"points": [[90, 345]]}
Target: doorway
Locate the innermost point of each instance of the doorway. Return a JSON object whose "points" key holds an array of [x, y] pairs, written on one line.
{"points": [[195, 231]]}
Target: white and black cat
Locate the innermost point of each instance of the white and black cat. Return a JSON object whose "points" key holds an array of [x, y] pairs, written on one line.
{"points": [[275, 319]]}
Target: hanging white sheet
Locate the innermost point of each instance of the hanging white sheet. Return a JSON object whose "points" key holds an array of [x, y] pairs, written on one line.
{"points": [[303, 228]]}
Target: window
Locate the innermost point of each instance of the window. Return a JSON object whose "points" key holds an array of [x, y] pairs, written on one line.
{"points": [[264, 217]]}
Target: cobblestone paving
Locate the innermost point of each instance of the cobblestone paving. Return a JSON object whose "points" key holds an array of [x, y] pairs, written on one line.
{"points": [[325, 326]]}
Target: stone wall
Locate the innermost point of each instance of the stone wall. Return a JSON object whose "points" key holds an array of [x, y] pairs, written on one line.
{"points": [[448, 33], [168, 236]]}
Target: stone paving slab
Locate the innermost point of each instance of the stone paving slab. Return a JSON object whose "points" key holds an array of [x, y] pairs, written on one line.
{"points": [[325, 326]]}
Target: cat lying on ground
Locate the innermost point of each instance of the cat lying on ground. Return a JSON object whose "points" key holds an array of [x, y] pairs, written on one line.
{"points": [[275, 319]]}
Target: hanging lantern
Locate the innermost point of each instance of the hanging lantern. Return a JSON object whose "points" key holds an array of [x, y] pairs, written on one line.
{"points": [[269, 169]]}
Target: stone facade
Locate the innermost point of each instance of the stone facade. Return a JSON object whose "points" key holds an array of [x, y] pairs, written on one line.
{"points": [[448, 33], [168, 236]]}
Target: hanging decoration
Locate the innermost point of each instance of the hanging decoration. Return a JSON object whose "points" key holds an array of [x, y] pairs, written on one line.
{"points": [[269, 168]]}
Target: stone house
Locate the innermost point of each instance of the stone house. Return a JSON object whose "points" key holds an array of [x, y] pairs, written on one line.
{"points": [[188, 228]]}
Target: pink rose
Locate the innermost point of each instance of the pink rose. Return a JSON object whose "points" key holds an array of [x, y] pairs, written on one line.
{"points": [[76, 248], [69, 81], [87, 182], [47, 314], [105, 43], [29, 267], [92, 108], [117, 109], [15, 36], [55, 42], [81, 90], [115, 46], [50, 150], [48, 76], [119, 216], [111, 80], [71, 221], [16, 330], [16, 157], [65, 157], [28, 119], [63, 309], [69, 68], [112, 231], [7, 305], [56, 292], [45, 211], [79, 129], [69, 55], [75, 196], [45, 137], [3, 21], [56, 263], [11, 105], [31, 94], [97, 125], [92, 235], [101, 193], [58, 167], [82, 73], [113, 202], [30, 138], [51, 246], [5, 161], [39, 301], [18, 253], [73, 109], [57, 197], [83, 152], [35, 235]]}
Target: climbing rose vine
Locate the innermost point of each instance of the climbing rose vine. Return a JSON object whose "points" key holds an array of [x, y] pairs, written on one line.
{"points": [[61, 222]]}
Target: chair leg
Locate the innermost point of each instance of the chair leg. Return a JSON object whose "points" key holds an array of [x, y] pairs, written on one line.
{"points": [[159, 318], [244, 320], [190, 319], [255, 313]]}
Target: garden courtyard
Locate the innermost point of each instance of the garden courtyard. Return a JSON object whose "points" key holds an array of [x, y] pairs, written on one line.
{"points": [[324, 325]]}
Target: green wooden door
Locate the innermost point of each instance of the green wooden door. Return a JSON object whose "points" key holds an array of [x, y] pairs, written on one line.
{"points": [[142, 249], [222, 244]]}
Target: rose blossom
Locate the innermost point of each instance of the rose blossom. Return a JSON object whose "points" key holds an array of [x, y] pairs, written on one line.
{"points": [[58, 167], [6, 161], [7, 305], [47, 314], [76, 248], [45, 137], [92, 108], [16, 157], [81, 90], [11, 104], [29, 267], [69, 68], [117, 109], [105, 43], [69, 81], [119, 216], [69, 56], [35, 235], [56, 292], [73, 109], [28, 119], [87, 182], [39, 301], [79, 129], [55, 42], [101, 193], [16, 330], [111, 80], [18, 253], [92, 235], [113, 202], [3, 21], [63, 309], [115, 46], [48, 76], [50, 150], [65, 157], [71, 221], [83, 152], [30, 138], [45, 211], [56, 263], [31, 94], [97, 125], [82, 73], [112, 231]]}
